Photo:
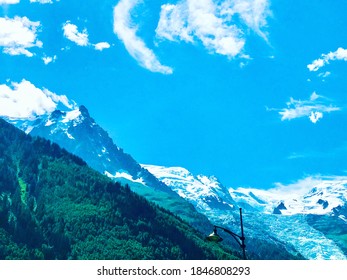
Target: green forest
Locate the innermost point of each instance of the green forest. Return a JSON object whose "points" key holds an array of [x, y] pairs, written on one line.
{"points": [[53, 206]]}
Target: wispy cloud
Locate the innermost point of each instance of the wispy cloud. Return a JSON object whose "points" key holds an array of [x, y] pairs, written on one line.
{"points": [[213, 23], [31, 1], [71, 32], [9, 2], [24, 100], [42, 1], [296, 156], [313, 109], [339, 54], [126, 31], [301, 187], [320, 154], [324, 74], [253, 12], [19, 34]]}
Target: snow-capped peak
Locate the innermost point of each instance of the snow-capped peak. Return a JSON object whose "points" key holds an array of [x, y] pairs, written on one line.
{"points": [[202, 191], [64, 117], [313, 195]]}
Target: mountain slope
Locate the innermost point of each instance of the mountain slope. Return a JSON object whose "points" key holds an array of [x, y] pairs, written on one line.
{"points": [[203, 192], [193, 198], [77, 132], [53, 206]]}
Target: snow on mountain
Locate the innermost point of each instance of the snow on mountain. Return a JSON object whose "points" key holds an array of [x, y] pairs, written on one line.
{"points": [[203, 192], [73, 128], [76, 131], [124, 175], [312, 195], [278, 214]]}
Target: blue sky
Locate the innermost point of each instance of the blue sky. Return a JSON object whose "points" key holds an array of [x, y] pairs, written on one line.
{"points": [[251, 91]]}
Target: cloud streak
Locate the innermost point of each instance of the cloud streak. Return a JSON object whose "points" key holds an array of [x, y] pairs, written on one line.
{"points": [[25, 101], [19, 34], [313, 109], [31, 1], [213, 23], [126, 31], [339, 54], [254, 13], [42, 1], [2, 2]]}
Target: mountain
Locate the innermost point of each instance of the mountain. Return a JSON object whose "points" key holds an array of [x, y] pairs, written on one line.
{"points": [[198, 200], [53, 206], [77, 132], [311, 216], [317, 198], [205, 198], [205, 193], [310, 220]]}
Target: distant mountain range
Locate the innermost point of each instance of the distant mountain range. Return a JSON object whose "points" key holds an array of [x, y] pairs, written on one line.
{"points": [[279, 223], [293, 217]]}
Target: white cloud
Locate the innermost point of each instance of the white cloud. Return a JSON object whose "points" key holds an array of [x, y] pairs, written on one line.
{"points": [[302, 186], [213, 23], [296, 156], [339, 54], [71, 32], [31, 1], [18, 51], [173, 23], [42, 1], [23, 100], [312, 108], [49, 59], [19, 34], [9, 2], [315, 116], [126, 31], [314, 96], [81, 38], [324, 74], [316, 64], [101, 46], [253, 12]]}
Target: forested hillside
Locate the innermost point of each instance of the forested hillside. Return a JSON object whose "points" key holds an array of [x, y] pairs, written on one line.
{"points": [[53, 206]]}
